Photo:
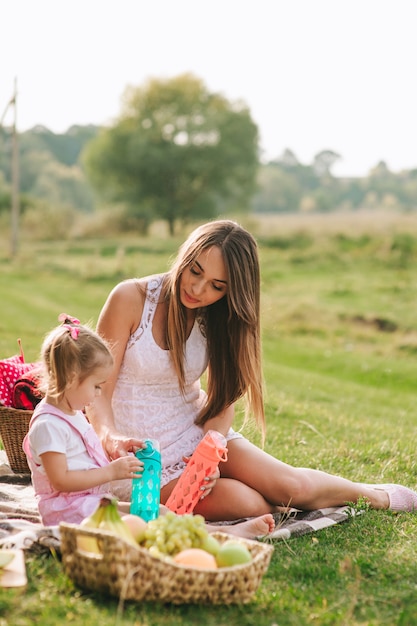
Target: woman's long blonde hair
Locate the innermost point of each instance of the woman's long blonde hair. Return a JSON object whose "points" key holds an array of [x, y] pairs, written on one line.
{"points": [[231, 325]]}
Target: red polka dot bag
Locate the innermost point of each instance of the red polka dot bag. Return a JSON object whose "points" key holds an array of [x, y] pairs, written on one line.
{"points": [[11, 369]]}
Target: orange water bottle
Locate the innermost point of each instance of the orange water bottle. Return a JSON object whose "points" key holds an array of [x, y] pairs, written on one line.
{"points": [[204, 461]]}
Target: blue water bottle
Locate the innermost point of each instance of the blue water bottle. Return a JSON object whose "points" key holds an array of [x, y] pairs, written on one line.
{"points": [[146, 490]]}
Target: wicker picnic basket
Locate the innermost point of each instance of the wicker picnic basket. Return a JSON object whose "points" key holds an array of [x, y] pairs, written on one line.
{"points": [[14, 424], [132, 573]]}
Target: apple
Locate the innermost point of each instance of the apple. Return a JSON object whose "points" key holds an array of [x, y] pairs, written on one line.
{"points": [[136, 525], [232, 553]]}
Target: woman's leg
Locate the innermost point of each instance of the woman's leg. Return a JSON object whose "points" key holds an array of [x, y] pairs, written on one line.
{"points": [[123, 507], [249, 529], [253, 483], [283, 485], [229, 500]]}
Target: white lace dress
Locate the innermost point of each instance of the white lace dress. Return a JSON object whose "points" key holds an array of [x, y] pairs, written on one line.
{"points": [[147, 401]]}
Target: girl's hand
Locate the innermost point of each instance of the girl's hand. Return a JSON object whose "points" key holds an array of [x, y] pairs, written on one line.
{"points": [[126, 467]]}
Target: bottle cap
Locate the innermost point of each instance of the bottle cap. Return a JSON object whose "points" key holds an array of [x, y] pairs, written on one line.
{"points": [[219, 439], [151, 450], [152, 444]]}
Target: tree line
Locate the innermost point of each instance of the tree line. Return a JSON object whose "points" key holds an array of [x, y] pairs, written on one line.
{"points": [[178, 152]]}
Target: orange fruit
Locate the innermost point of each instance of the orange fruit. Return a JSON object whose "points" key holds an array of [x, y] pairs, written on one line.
{"points": [[195, 557]]}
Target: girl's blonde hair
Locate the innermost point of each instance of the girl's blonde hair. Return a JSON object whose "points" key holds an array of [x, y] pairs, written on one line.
{"points": [[231, 325], [70, 350]]}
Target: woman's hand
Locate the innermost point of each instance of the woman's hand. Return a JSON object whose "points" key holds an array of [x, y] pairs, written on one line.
{"points": [[117, 445], [209, 483]]}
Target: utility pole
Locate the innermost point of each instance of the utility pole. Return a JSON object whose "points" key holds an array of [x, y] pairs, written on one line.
{"points": [[15, 178], [15, 173]]}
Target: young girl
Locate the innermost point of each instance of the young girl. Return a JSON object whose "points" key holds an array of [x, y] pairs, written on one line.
{"points": [[165, 331], [70, 471]]}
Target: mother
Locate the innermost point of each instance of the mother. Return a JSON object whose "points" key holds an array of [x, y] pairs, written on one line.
{"points": [[166, 331]]}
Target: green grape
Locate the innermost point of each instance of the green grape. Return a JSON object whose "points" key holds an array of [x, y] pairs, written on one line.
{"points": [[171, 533]]}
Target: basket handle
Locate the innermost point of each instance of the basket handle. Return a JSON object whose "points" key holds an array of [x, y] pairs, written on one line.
{"points": [[87, 544], [82, 541]]}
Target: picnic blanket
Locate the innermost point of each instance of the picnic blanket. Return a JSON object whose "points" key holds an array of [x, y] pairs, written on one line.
{"points": [[20, 522], [21, 527]]}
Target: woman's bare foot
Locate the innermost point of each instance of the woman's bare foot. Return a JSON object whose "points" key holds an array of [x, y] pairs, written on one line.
{"points": [[251, 528]]}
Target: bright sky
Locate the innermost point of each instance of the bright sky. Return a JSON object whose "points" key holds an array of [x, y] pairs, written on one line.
{"points": [[315, 74]]}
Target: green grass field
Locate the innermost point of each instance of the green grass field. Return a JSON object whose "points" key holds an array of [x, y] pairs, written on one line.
{"points": [[339, 301]]}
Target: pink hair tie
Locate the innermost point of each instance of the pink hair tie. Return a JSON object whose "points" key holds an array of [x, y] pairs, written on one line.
{"points": [[73, 331], [67, 319], [70, 323]]}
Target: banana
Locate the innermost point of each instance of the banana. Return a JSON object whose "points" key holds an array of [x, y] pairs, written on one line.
{"points": [[95, 518], [6, 557], [90, 544], [113, 523]]}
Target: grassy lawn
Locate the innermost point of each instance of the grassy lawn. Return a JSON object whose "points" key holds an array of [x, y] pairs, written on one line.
{"points": [[339, 301]]}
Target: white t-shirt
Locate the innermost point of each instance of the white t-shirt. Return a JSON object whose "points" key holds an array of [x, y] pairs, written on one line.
{"points": [[50, 433]]}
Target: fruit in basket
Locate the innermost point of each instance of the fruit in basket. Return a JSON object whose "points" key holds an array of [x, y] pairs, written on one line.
{"points": [[211, 545], [170, 533], [232, 552], [89, 544], [113, 523], [6, 557], [137, 526], [105, 517], [196, 557]]}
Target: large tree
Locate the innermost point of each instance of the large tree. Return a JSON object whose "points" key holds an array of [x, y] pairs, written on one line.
{"points": [[177, 151]]}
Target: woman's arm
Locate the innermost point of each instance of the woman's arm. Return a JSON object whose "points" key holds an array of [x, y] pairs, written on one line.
{"points": [[118, 319], [222, 422], [65, 480]]}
